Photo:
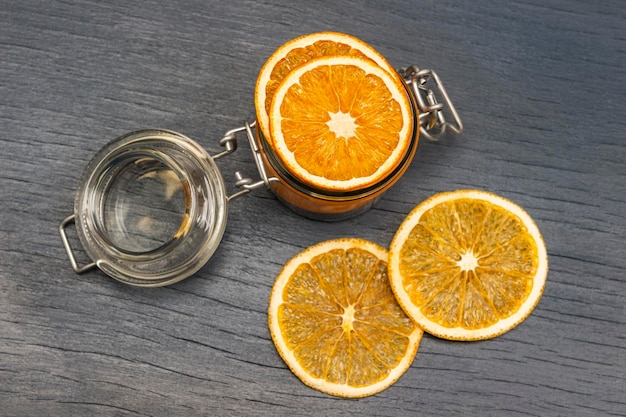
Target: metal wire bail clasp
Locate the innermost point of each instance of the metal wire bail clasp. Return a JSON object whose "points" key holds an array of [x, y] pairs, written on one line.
{"points": [[432, 119], [244, 183]]}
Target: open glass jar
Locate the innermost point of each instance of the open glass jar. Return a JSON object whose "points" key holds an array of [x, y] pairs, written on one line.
{"points": [[151, 206]]}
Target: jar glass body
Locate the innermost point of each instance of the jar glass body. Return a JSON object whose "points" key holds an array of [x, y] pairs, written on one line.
{"points": [[151, 208]]}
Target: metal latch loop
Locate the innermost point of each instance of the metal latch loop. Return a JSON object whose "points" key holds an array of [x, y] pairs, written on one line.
{"points": [[68, 248], [432, 118]]}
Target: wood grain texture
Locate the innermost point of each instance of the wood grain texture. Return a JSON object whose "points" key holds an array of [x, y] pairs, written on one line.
{"points": [[540, 86]]}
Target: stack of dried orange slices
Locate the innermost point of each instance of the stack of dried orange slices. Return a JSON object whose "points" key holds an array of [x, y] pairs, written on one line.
{"points": [[346, 315], [334, 112]]}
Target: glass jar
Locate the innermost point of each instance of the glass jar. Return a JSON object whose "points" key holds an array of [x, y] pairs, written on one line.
{"points": [[326, 205], [151, 206], [150, 209]]}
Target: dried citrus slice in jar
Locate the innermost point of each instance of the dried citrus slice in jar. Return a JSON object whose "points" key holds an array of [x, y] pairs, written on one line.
{"points": [[335, 321], [468, 265], [299, 51], [341, 123]]}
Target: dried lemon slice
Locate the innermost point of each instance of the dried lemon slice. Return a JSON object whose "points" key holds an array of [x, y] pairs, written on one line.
{"points": [[468, 265], [335, 321]]}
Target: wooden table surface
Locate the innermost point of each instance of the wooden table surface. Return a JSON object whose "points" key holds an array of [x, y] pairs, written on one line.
{"points": [[541, 89]]}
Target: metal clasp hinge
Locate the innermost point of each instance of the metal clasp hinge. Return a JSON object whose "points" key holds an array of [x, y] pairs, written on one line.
{"points": [[431, 118], [244, 183]]}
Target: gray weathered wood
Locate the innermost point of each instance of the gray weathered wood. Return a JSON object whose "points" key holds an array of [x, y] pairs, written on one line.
{"points": [[541, 87]]}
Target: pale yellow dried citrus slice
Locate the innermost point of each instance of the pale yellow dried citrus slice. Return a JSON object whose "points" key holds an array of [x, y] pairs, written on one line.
{"points": [[468, 265], [341, 123], [299, 51], [335, 321]]}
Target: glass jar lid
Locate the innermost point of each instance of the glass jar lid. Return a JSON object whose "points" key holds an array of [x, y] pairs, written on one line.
{"points": [[151, 208]]}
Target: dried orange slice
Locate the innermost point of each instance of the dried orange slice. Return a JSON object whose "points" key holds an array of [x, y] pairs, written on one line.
{"points": [[341, 123], [299, 51], [468, 265], [336, 323]]}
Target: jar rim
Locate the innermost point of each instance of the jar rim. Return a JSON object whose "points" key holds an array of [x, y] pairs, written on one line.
{"points": [[199, 184]]}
